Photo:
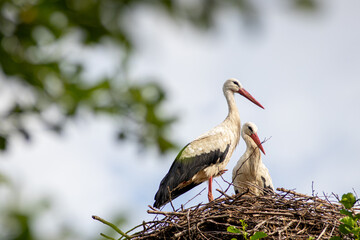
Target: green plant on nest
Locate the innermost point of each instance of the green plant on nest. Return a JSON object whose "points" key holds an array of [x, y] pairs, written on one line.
{"points": [[257, 235], [350, 224]]}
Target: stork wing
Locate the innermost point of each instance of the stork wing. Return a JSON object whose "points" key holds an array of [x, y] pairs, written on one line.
{"points": [[193, 158], [265, 178]]}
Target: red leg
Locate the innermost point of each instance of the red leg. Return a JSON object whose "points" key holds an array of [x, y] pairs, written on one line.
{"points": [[210, 196]]}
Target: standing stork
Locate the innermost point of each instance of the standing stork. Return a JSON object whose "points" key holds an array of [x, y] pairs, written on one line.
{"points": [[250, 172], [207, 156]]}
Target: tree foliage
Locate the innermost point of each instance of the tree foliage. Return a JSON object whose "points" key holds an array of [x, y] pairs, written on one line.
{"points": [[42, 83], [38, 80]]}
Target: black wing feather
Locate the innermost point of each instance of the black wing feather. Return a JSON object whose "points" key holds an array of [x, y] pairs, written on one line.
{"points": [[183, 170]]}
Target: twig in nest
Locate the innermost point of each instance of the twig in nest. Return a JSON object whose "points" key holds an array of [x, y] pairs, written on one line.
{"points": [[223, 193], [282, 214], [188, 220], [322, 233], [195, 196], [170, 200], [218, 184], [286, 227], [165, 213], [106, 236], [112, 226]]}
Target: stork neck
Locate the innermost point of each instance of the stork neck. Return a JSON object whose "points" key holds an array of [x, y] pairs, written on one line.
{"points": [[254, 155], [252, 149], [233, 114]]}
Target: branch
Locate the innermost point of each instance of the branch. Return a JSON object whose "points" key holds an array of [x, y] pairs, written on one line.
{"points": [[165, 213], [112, 226], [106, 236], [195, 196]]}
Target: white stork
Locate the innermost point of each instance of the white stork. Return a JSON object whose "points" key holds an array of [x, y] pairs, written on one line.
{"points": [[250, 172], [207, 156]]}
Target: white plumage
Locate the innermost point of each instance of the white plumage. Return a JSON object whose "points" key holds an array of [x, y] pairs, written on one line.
{"points": [[207, 156], [250, 172]]}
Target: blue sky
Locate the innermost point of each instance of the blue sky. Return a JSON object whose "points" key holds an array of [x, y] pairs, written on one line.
{"points": [[303, 68]]}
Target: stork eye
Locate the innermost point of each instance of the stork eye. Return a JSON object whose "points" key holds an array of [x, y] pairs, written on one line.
{"points": [[236, 83], [250, 128]]}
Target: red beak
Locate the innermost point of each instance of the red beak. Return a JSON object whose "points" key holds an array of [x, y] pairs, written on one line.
{"points": [[256, 139], [248, 96]]}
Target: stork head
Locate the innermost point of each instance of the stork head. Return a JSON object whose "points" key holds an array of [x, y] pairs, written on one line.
{"points": [[249, 133], [235, 86]]}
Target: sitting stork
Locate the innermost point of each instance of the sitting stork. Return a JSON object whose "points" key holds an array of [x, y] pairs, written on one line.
{"points": [[250, 172], [207, 156]]}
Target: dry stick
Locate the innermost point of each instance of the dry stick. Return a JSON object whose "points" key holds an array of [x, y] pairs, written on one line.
{"points": [[140, 225], [222, 209], [328, 200], [223, 193], [322, 233], [195, 196], [286, 227], [312, 188], [171, 199], [332, 230], [356, 196], [293, 193], [154, 209], [182, 233], [261, 223], [336, 196], [218, 184], [197, 228], [229, 183], [112, 226], [188, 220], [166, 213], [270, 213]]}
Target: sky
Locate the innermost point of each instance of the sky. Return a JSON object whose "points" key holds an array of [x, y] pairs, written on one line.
{"points": [[303, 68]]}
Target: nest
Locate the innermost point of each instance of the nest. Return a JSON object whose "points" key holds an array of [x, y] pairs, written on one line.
{"points": [[281, 215]]}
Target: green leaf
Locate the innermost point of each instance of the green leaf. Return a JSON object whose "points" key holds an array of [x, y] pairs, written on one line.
{"points": [[243, 224], [346, 212], [258, 235], [3, 179], [344, 229], [307, 5], [356, 231], [348, 200], [233, 229], [348, 221], [335, 238], [3, 142]]}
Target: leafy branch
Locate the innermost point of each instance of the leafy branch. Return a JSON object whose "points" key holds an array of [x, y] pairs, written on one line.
{"points": [[242, 231], [123, 234], [350, 224]]}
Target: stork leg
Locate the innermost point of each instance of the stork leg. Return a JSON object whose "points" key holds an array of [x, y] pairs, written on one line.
{"points": [[210, 196]]}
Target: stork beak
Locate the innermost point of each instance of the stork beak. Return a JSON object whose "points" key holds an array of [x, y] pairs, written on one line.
{"points": [[246, 94], [256, 139]]}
